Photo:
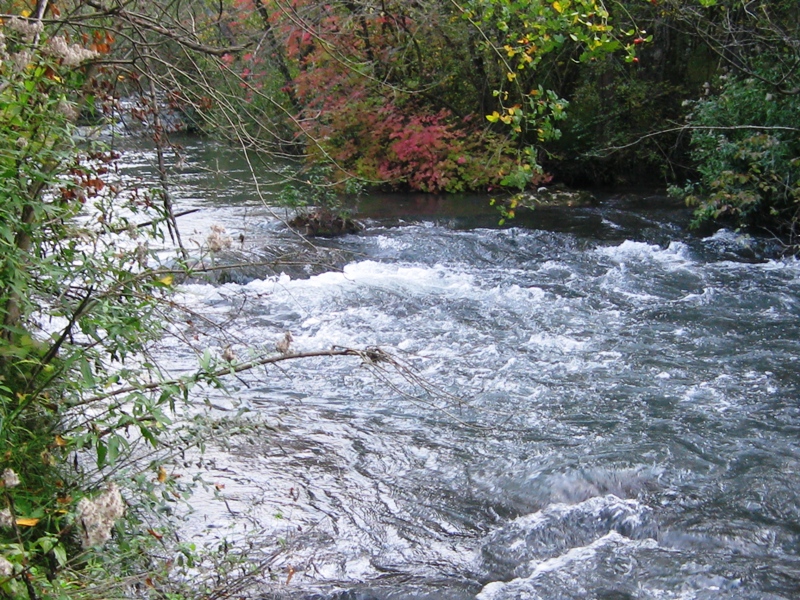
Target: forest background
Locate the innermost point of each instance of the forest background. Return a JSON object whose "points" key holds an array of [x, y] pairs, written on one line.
{"points": [[499, 96]]}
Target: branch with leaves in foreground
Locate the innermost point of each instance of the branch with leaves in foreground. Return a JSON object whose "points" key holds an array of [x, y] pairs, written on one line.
{"points": [[369, 356]]}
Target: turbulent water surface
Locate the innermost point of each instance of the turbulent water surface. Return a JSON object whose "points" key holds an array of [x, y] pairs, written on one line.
{"points": [[593, 403]]}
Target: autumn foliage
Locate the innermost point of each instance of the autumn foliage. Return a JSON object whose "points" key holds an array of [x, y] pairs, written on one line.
{"points": [[445, 95], [396, 93]]}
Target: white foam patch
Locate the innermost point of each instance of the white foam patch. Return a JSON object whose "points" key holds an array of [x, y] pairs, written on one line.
{"points": [[707, 297], [560, 343], [519, 587], [390, 243], [413, 279], [782, 266], [629, 509], [728, 237], [675, 255], [611, 224], [356, 285], [366, 274]]}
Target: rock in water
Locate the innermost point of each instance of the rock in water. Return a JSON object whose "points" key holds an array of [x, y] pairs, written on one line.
{"points": [[324, 223]]}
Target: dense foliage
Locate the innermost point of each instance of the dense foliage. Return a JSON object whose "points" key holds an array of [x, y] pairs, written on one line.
{"points": [[430, 96], [78, 310], [745, 133], [748, 173], [441, 95]]}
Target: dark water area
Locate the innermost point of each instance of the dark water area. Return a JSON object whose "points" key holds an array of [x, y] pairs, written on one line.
{"points": [[642, 212], [592, 402]]}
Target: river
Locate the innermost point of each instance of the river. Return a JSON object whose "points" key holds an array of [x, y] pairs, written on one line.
{"points": [[591, 402]]}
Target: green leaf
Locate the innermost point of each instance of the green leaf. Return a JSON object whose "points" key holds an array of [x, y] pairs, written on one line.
{"points": [[61, 554], [114, 443], [147, 433], [86, 373], [47, 543], [102, 452], [205, 360]]}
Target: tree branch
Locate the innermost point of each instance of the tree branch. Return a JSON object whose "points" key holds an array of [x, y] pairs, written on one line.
{"points": [[613, 149], [369, 356], [150, 25]]}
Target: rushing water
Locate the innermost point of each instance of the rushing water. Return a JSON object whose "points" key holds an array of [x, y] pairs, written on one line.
{"points": [[594, 403]]}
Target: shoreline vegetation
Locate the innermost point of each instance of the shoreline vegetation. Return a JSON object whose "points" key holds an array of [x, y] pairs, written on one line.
{"points": [[439, 96]]}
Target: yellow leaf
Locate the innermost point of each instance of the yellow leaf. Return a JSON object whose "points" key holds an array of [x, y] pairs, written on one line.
{"points": [[25, 13], [511, 76], [557, 6], [60, 441], [494, 117], [162, 474], [27, 521], [167, 280]]}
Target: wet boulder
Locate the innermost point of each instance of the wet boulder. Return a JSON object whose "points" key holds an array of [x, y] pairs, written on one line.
{"points": [[324, 223]]}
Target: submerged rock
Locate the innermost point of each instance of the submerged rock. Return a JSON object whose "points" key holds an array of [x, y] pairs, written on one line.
{"points": [[324, 223], [558, 196]]}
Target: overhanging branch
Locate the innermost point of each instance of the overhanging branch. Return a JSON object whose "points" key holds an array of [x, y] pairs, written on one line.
{"points": [[611, 149], [368, 356]]}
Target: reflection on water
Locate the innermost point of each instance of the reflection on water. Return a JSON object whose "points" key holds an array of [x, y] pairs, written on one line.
{"points": [[616, 412]]}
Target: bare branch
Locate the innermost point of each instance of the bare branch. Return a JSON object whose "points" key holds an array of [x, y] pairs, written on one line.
{"points": [[612, 149], [151, 25]]}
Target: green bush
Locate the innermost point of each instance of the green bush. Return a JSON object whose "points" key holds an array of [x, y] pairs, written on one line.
{"points": [[80, 304], [747, 149]]}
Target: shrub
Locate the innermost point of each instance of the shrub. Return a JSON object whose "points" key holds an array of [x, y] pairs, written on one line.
{"points": [[79, 303], [409, 148], [747, 149]]}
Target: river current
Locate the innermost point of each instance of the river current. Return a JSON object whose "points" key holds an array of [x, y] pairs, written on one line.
{"points": [[592, 402]]}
